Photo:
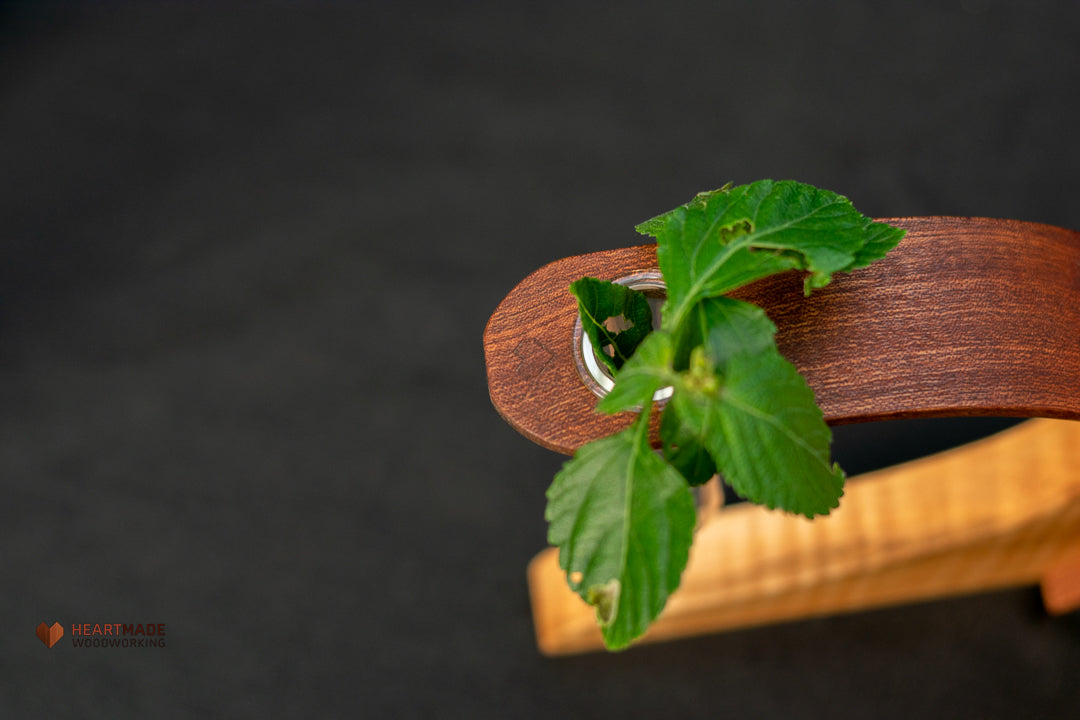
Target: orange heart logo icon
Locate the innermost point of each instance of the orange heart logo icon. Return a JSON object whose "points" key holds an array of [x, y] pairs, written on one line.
{"points": [[50, 635]]}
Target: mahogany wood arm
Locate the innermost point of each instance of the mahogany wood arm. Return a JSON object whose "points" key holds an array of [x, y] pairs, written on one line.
{"points": [[967, 316]]}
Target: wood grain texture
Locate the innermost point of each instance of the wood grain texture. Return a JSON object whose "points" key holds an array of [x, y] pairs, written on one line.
{"points": [[967, 316], [999, 512]]}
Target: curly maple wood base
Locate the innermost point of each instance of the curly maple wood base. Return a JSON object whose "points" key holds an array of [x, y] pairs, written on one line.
{"points": [[967, 316], [999, 512]]}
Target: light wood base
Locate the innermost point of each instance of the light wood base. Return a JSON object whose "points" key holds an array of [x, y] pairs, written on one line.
{"points": [[999, 512]]}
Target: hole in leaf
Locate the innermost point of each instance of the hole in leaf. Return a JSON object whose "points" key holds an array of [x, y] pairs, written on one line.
{"points": [[656, 298]]}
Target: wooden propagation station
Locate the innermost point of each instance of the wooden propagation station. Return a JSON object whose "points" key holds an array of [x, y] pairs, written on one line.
{"points": [[967, 316]]}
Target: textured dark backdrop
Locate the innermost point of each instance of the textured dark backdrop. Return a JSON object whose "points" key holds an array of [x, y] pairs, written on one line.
{"points": [[246, 258]]}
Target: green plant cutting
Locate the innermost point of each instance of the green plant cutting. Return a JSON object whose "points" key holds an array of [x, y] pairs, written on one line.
{"points": [[623, 513]]}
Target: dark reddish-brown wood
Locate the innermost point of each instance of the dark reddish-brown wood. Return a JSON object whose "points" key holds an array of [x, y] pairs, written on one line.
{"points": [[967, 316]]}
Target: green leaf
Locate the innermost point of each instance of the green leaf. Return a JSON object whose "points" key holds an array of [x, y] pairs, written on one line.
{"points": [[760, 424], [645, 373], [624, 519], [684, 450], [725, 326], [880, 239], [598, 301], [726, 238]]}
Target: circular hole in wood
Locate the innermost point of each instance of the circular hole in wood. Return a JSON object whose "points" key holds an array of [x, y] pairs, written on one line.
{"points": [[594, 373]]}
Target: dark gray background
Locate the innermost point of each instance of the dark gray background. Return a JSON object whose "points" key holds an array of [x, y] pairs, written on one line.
{"points": [[246, 258]]}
